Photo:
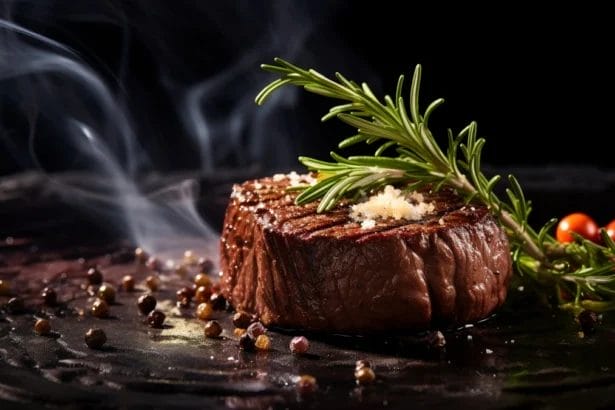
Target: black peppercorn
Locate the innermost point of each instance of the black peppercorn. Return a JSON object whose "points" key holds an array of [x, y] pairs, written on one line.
{"points": [[242, 320], [588, 321], [95, 277], [212, 329], [206, 265], [246, 343], [218, 301], [50, 297], [155, 318], [15, 305], [95, 338], [146, 303]]}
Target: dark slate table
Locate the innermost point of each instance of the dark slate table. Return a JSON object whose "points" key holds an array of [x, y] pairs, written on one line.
{"points": [[527, 356]]}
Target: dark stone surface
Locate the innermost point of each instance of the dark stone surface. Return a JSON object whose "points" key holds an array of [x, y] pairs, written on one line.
{"points": [[527, 356]]}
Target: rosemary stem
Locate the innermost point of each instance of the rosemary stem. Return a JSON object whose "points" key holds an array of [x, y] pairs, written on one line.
{"points": [[461, 183]]}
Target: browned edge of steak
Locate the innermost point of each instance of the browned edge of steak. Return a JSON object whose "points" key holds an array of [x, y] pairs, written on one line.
{"points": [[322, 272]]}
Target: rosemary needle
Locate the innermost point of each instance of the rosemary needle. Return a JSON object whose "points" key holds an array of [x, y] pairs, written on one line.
{"points": [[582, 273]]}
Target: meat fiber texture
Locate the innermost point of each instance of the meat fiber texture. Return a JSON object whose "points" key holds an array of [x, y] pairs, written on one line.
{"points": [[296, 268]]}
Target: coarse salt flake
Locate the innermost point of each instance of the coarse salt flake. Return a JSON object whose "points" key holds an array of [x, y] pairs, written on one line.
{"points": [[391, 203]]}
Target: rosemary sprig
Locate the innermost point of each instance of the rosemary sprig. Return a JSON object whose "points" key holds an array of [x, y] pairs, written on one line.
{"points": [[582, 273]]}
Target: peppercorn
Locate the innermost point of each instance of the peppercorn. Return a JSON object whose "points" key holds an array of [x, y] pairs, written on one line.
{"points": [[361, 364], [185, 293], [242, 320], [202, 294], [204, 311], [5, 288], [155, 318], [246, 343], [152, 282], [239, 331], [217, 301], [202, 279], [146, 303], [263, 342], [212, 329], [189, 257], [100, 308], [107, 293], [15, 305], [364, 375], [299, 345], [95, 277], [205, 265], [153, 263], [306, 384], [50, 297], [42, 327], [256, 329], [181, 269], [95, 338], [140, 255], [128, 283], [437, 339], [588, 320]]}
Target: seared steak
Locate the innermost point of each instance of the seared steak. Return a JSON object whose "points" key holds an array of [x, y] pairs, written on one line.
{"points": [[324, 272]]}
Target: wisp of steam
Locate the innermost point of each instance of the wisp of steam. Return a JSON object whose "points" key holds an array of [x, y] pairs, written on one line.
{"points": [[56, 90]]}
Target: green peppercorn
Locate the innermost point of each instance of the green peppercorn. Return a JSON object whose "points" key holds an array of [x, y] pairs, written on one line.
{"points": [[364, 375], [100, 308], [107, 293], [95, 338], [306, 384], [128, 283], [42, 327]]}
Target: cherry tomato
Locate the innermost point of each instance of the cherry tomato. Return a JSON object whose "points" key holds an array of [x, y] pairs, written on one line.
{"points": [[610, 229], [579, 223]]}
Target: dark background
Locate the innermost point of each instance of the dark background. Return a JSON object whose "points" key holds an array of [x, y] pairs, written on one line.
{"points": [[539, 83]]}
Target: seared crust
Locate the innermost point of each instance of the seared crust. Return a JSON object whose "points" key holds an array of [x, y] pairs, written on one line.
{"points": [[323, 272]]}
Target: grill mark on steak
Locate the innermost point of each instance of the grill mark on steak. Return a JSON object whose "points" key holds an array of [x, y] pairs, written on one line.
{"points": [[296, 268]]}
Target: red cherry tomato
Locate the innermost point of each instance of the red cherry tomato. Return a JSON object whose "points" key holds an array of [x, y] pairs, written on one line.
{"points": [[610, 229], [579, 223]]}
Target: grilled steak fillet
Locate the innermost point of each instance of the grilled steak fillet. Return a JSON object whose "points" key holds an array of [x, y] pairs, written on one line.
{"points": [[323, 272]]}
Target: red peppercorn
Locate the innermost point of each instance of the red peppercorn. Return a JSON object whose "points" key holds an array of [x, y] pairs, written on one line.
{"points": [[299, 345], [256, 329]]}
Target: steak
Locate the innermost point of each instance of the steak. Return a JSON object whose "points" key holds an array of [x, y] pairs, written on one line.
{"points": [[296, 268]]}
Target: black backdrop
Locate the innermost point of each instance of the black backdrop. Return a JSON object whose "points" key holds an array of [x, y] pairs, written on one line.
{"points": [[539, 83]]}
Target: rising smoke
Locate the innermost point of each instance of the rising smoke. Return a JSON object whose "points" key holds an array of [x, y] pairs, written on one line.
{"points": [[62, 110]]}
